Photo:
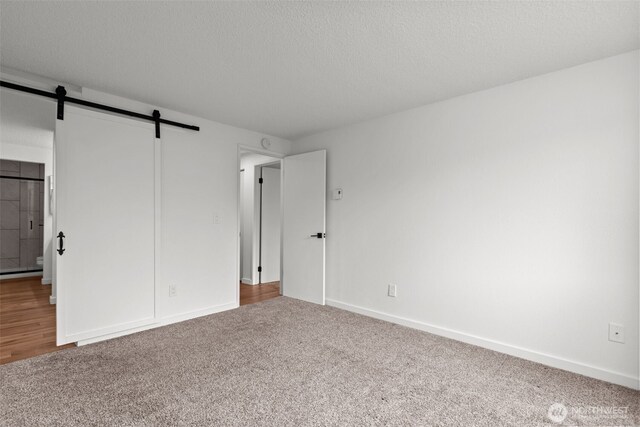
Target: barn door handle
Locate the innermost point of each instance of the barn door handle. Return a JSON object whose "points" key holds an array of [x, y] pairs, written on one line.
{"points": [[319, 235], [60, 243]]}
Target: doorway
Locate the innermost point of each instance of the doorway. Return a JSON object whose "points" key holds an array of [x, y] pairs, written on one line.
{"points": [[302, 207], [21, 218], [27, 316], [260, 226]]}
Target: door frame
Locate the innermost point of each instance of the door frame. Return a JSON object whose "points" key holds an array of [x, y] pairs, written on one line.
{"points": [[279, 158], [257, 211]]}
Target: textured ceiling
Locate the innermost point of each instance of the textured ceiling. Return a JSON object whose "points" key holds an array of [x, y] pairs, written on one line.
{"points": [[294, 68]]}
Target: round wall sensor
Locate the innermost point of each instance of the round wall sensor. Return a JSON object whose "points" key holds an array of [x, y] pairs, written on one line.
{"points": [[265, 143]]}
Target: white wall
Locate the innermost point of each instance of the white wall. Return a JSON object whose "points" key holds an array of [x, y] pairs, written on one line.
{"points": [[506, 218], [26, 134], [248, 216]]}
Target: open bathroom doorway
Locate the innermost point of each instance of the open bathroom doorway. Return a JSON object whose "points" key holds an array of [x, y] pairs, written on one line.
{"points": [[22, 215], [260, 226]]}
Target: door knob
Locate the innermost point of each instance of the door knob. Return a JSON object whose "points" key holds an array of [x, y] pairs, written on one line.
{"points": [[319, 235]]}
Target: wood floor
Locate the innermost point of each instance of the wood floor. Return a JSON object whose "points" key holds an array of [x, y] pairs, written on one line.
{"points": [[27, 320], [250, 294]]}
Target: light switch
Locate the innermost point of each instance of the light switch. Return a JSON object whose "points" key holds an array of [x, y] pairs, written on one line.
{"points": [[337, 194]]}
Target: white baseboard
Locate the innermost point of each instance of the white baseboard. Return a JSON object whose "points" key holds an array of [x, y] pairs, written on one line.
{"points": [[163, 322], [197, 313], [45, 281], [246, 281], [52, 300], [523, 353], [20, 275]]}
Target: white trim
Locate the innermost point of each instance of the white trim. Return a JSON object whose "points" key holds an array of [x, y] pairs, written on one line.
{"points": [[163, 322], [238, 225], [534, 356], [181, 317], [281, 290], [157, 233], [126, 326], [248, 148], [20, 275], [247, 281], [255, 219], [52, 300], [46, 281], [638, 347]]}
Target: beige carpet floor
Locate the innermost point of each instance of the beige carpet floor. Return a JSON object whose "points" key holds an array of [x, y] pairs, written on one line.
{"points": [[288, 363]]}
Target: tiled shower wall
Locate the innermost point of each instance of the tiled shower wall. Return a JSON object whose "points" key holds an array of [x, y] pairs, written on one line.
{"points": [[21, 215]]}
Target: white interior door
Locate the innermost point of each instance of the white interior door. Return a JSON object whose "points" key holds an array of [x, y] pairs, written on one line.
{"points": [[105, 171], [303, 217]]}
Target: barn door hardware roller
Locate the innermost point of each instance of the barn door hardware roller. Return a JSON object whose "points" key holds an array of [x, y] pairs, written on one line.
{"points": [[61, 96], [156, 118], [61, 93]]}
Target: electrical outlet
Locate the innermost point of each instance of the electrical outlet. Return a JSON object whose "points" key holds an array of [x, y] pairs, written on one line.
{"points": [[172, 290], [392, 291], [216, 218], [616, 333]]}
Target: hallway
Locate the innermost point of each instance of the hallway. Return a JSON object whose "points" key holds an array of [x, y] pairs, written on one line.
{"points": [[250, 294], [27, 320]]}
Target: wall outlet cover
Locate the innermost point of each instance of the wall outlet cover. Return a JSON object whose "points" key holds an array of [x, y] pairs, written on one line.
{"points": [[616, 333], [392, 291]]}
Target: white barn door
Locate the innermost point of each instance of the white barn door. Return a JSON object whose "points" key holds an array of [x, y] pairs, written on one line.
{"points": [[303, 229], [106, 195]]}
